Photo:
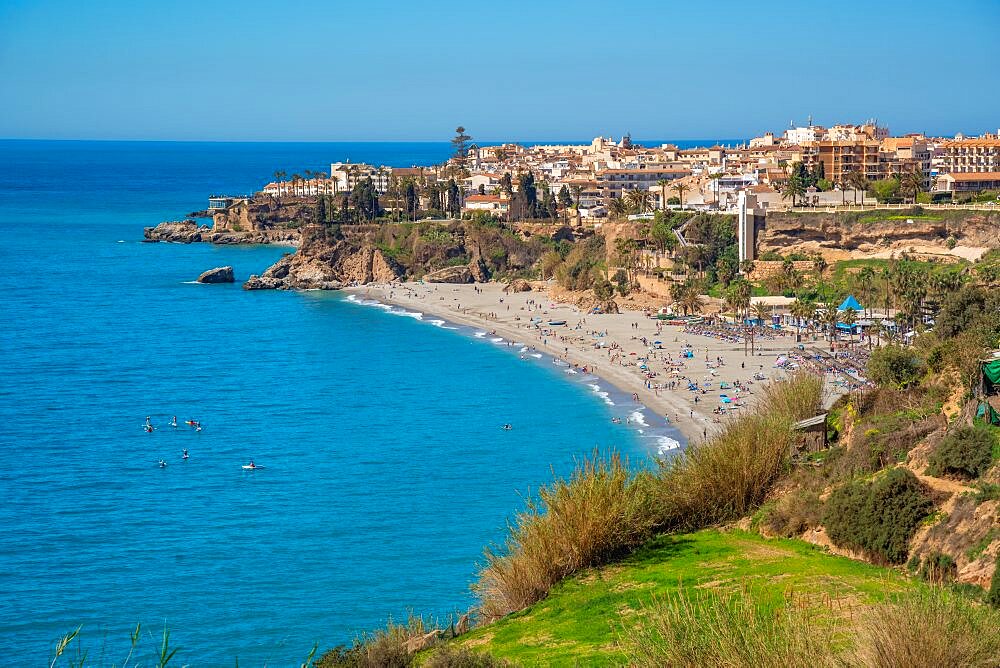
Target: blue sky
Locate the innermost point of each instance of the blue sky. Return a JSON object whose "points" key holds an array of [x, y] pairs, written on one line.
{"points": [[379, 70]]}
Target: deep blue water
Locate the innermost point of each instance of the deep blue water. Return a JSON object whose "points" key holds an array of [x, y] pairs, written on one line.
{"points": [[386, 471]]}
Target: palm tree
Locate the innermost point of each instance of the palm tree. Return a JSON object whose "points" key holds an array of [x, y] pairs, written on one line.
{"points": [[639, 200], [793, 188], [830, 319], [800, 310], [762, 312], [912, 183], [857, 181], [680, 189], [747, 267], [850, 318], [738, 295], [866, 286], [663, 183], [617, 208], [690, 301], [576, 190]]}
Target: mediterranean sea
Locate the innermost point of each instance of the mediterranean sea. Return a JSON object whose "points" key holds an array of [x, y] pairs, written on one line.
{"points": [[384, 468]]}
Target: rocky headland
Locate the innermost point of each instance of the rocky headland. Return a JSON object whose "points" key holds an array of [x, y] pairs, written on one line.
{"points": [[326, 261], [259, 220], [332, 256]]}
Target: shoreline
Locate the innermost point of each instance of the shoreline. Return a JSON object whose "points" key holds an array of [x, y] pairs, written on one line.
{"points": [[613, 355], [634, 415]]}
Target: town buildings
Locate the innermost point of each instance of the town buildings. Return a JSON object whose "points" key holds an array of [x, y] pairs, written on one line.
{"points": [[838, 159]]}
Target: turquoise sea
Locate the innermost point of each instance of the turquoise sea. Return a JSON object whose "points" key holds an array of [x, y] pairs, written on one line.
{"points": [[386, 471]]}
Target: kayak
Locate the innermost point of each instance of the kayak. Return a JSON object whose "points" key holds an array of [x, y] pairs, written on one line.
{"points": [[251, 468]]}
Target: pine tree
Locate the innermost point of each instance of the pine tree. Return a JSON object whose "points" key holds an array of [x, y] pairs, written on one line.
{"points": [[460, 144]]}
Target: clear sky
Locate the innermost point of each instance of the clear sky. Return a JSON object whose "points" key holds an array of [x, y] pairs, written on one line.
{"points": [[381, 70]]}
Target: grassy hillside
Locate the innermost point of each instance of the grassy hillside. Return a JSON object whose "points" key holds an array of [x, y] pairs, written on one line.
{"points": [[582, 618]]}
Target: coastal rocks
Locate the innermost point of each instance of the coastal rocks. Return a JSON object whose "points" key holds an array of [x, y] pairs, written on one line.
{"points": [[256, 282], [518, 285], [367, 264], [459, 274], [326, 262], [217, 275], [177, 231]]}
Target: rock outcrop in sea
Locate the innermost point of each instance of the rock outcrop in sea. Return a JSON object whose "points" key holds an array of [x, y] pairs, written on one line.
{"points": [[326, 261], [217, 275], [257, 220]]}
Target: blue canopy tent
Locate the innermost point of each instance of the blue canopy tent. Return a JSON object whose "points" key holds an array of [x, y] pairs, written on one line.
{"points": [[850, 302]]}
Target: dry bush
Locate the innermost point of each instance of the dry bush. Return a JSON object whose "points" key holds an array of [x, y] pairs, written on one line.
{"points": [[730, 475], [795, 512], [928, 630], [597, 514], [463, 657], [391, 647]]}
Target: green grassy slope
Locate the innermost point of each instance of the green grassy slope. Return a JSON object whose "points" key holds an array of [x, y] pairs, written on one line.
{"points": [[579, 621]]}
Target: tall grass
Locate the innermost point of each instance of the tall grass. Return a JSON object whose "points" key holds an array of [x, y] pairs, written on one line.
{"points": [[928, 630], [731, 629], [602, 511], [728, 476], [599, 512]]}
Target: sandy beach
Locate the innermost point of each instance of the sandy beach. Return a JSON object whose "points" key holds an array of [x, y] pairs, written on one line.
{"points": [[613, 346]]}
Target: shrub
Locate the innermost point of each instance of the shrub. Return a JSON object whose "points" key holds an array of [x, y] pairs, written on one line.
{"points": [[993, 597], [877, 517], [966, 452], [732, 629], [895, 366], [390, 647], [795, 512], [600, 512], [928, 630], [938, 568]]}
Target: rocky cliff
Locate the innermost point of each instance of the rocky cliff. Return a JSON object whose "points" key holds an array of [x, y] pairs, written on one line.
{"points": [[872, 231], [261, 220], [326, 261]]}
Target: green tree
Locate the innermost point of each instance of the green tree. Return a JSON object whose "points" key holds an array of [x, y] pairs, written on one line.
{"points": [[525, 201], [364, 199], [885, 189], [319, 213], [795, 187], [638, 200], [460, 147], [895, 366], [622, 282], [912, 184], [454, 199], [565, 199], [857, 181], [618, 208], [680, 188]]}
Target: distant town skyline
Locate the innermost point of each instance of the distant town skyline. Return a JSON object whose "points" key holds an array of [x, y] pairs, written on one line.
{"points": [[381, 71]]}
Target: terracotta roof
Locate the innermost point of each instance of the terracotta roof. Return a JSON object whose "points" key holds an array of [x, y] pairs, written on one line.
{"points": [[967, 143], [657, 170], [485, 198], [975, 176]]}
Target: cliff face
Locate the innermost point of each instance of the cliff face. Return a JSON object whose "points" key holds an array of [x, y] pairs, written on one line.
{"points": [[872, 231], [326, 262], [261, 220]]}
